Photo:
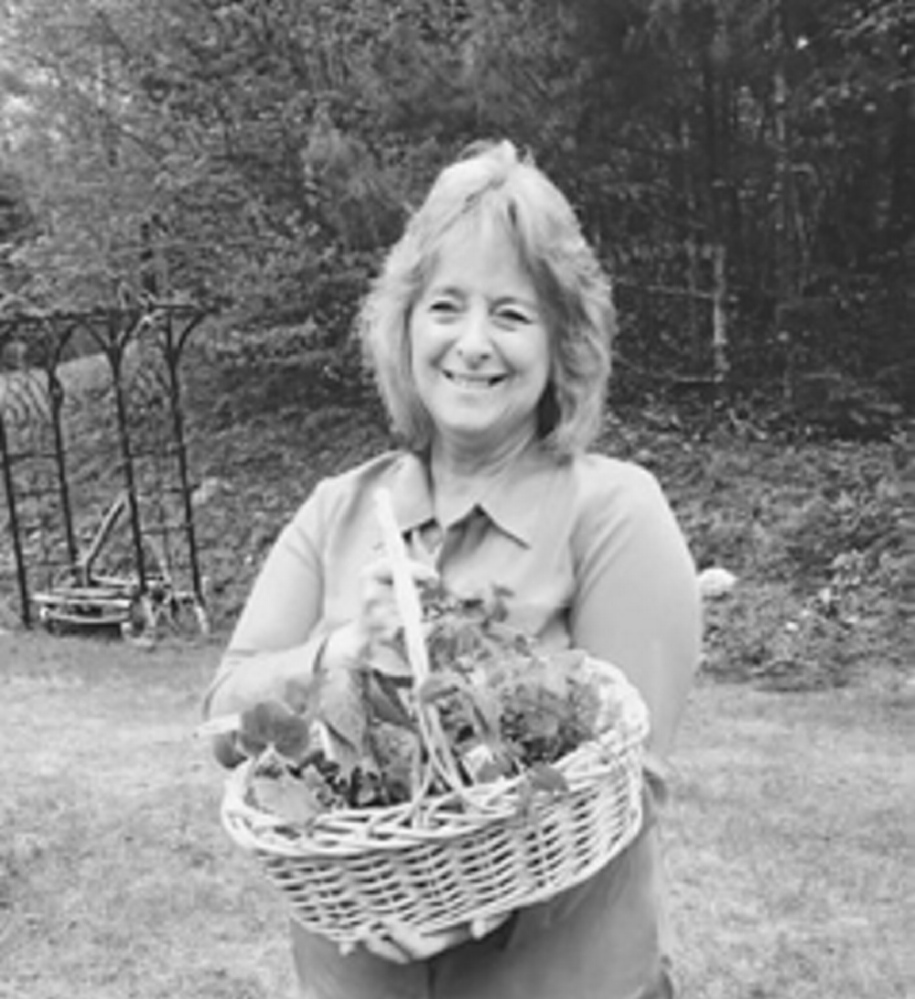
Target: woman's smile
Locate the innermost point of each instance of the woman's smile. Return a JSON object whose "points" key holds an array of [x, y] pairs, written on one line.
{"points": [[474, 383]]}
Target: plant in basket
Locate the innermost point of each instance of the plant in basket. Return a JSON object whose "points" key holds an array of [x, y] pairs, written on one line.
{"points": [[492, 706]]}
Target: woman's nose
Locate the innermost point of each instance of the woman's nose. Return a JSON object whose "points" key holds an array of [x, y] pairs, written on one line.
{"points": [[474, 343]]}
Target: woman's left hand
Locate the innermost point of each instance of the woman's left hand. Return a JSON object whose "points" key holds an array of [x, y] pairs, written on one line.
{"points": [[403, 944]]}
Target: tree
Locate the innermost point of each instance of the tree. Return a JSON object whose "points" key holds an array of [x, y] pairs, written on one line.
{"points": [[744, 166]]}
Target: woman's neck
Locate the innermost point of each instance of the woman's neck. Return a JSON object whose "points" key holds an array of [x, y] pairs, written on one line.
{"points": [[460, 477]]}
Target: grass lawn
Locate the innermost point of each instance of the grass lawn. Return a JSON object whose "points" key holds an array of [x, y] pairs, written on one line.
{"points": [[789, 838], [791, 829]]}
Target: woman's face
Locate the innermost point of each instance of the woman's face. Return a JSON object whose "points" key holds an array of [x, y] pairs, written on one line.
{"points": [[480, 349]]}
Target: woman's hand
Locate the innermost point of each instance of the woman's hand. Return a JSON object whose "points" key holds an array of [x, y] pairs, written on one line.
{"points": [[403, 945], [378, 619]]}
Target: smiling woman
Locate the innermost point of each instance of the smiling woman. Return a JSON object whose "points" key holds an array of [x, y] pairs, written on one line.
{"points": [[489, 331]]}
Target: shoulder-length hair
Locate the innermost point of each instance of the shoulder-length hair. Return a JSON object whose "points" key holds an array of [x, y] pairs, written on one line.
{"points": [[491, 181]]}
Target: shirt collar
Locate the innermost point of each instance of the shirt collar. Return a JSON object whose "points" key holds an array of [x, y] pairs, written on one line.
{"points": [[511, 501]]}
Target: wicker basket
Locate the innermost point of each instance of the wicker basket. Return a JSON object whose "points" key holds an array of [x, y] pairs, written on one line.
{"points": [[458, 856], [448, 862]]}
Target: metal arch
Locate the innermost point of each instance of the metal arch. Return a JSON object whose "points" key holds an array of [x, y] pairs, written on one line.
{"points": [[47, 334]]}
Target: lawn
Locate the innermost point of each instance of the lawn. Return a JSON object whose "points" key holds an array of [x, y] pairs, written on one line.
{"points": [[789, 837], [789, 833]]}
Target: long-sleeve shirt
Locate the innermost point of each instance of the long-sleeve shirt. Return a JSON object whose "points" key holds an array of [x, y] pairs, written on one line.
{"points": [[590, 556]]}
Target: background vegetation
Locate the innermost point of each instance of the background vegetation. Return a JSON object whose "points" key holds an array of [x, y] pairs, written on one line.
{"points": [[745, 167]]}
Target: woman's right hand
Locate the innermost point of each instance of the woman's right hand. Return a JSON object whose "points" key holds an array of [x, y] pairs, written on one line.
{"points": [[293, 678], [378, 619]]}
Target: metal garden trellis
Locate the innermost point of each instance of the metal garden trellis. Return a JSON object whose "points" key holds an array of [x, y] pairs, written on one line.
{"points": [[36, 393]]}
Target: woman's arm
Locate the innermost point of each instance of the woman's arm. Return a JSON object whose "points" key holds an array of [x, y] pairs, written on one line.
{"points": [[275, 644], [282, 637], [637, 602]]}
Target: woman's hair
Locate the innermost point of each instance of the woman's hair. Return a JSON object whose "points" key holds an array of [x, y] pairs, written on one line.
{"points": [[491, 181]]}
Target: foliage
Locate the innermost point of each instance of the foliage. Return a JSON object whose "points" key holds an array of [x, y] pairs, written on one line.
{"points": [[262, 155], [15, 213], [493, 705], [265, 370]]}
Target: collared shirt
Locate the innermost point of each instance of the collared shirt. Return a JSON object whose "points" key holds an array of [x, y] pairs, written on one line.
{"points": [[590, 555]]}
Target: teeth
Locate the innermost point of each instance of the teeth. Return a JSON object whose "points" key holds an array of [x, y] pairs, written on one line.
{"points": [[466, 382]]}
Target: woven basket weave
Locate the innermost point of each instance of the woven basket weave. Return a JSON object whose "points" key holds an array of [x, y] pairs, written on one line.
{"points": [[454, 858]]}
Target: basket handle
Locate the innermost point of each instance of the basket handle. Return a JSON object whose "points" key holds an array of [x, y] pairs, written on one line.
{"points": [[410, 611], [408, 605]]}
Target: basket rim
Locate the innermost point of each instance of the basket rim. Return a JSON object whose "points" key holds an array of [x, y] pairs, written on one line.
{"points": [[349, 832]]}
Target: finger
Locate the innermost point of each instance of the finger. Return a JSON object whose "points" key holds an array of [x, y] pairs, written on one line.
{"points": [[382, 946], [378, 613], [379, 616], [414, 945], [379, 946], [377, 600], [390, 950], [484, 925]]}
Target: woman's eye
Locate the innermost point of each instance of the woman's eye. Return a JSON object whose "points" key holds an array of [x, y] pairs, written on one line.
{"points": [[513, 317], [443, 307]]}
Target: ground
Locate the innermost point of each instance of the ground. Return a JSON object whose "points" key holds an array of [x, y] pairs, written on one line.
{"points": [[788, 833], [787, 838]]}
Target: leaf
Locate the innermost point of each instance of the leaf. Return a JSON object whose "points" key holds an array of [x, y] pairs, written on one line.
{"points": [[287, 797], [543, 777], [489, 771], [541, 711], [395, 752], [553, 676], [272, 723], [498, 603], [369, 787], [486, 762], [507, 637], [298, 694], [345, 754], [487, 712], [384, 701], [436, 687], [340, 707]]}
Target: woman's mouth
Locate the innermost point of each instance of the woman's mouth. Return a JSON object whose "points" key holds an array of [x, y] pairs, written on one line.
{"points": [[473, 382]]}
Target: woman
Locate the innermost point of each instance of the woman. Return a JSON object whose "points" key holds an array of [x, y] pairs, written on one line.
{"points": [[489, 330]]}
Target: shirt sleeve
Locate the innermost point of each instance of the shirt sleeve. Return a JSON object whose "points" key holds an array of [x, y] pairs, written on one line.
{"points": [[277, 638], [637, 600]]}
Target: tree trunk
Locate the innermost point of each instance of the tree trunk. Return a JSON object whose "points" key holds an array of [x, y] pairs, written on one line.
{"points": [[781, 199], [719, 314], [716, 104]]}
